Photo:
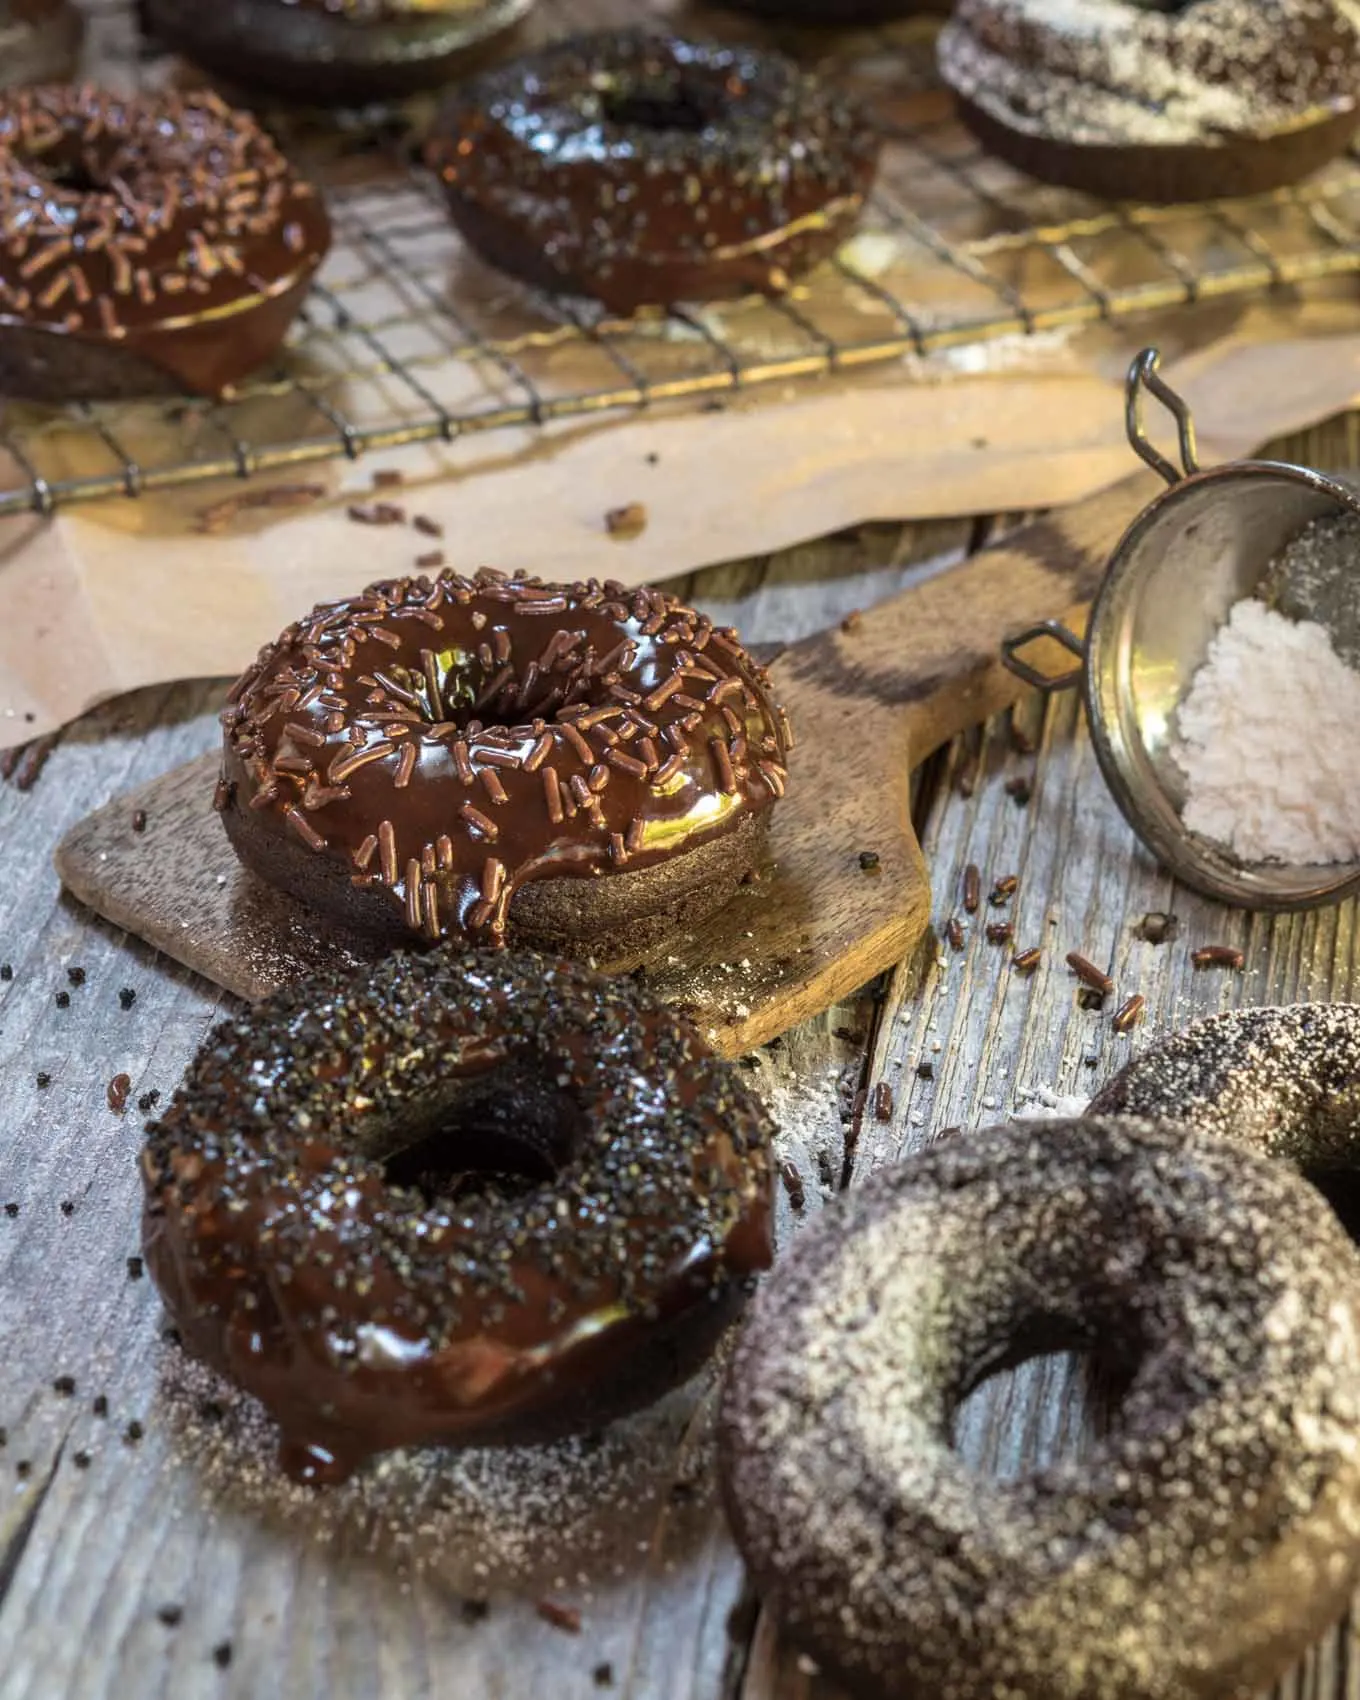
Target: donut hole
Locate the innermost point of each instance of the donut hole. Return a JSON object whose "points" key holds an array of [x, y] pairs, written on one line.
{"points": [[457, 687], [510, 1131], [1059, 1391], [1341, 1188]]}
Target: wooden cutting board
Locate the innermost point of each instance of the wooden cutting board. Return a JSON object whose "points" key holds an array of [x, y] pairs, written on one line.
{"points": [[868, 701]]}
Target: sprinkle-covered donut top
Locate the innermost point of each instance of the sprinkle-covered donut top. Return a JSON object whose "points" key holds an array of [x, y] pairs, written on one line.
{"points": [[294, 1236], [452, 738], [123, 217], [1113, 71]]}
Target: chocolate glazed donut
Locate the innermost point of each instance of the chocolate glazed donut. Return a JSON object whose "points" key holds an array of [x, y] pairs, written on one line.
{"points": [[581, 766], [1192, 1555], [336, 51], [1285, 1081], [472, 1200], [641, 170], [155, 244]]}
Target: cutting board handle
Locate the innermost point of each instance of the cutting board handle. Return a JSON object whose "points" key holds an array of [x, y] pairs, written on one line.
{"points": [[932, 653]]}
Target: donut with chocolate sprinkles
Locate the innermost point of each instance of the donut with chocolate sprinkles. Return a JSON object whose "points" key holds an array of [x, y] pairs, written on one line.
{"points": [[472, 1198], [1195, 1551], [1157, 100], [337, 52], [640, 169], [576, 767], [1284, 1080], [39, 40], [152, 245]]}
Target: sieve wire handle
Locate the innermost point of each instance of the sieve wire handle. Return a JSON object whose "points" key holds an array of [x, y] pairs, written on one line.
{"points": [[1143, 375]]}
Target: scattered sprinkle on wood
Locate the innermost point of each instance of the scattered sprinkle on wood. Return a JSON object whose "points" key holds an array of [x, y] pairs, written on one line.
{"points": [[883, 1102], [427, 527], [624, 524], [1000, 932], [1218, 956], [432, 558], [1004, 889], [566, 1618], [953, 931], [868, 860], [220, 515], [376, 513], [139, 820], [118, 1090], [972, 888], [793, 1184], [388, 478], [1129, 1014], [1019, 790], [1087, 972], [1026, 961]]}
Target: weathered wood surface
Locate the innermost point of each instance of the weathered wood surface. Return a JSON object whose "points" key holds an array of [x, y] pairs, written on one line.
{"points": [[102, 1525], [869, 700]]}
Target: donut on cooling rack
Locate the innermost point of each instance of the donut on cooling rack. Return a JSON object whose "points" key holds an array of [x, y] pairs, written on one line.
{"points": [[1142, 102], [640, 169], [152, 245], [1196, 1551], [1284, 1080], [39, 40], [335, 52], [454, 1200], [582, 766]]}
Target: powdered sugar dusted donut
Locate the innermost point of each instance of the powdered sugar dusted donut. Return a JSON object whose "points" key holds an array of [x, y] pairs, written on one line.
{"points": [[1193, 1555], [1284, 1080], [1152, 102]]}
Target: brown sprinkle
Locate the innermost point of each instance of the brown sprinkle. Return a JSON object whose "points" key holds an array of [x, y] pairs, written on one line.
{"points": [[1000, 932], [1218, 956], [562, 1617], [953, 931], [376, 513], [1129, 1014], [624, 524], [1087, 972], [972, 888], [139, 820], [388, 478], [793, 1184], [883, 1102], [1004, 889], [118, 1090], [431, 558], [427, 527], [1026, 961]]}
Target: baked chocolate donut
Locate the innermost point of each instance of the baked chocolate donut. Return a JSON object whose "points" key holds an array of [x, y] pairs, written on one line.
{"points": [[582, 765], [151, 245], [39, 40], [640, 169], [472, 1199], [1141, 102], [1201, 1546], [1285, 1081], [335, 52]]}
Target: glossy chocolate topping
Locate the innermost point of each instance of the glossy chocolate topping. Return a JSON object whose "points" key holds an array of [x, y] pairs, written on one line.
{"points": [[638, 168], [168, 225], [450, 740], [459, 1198]]}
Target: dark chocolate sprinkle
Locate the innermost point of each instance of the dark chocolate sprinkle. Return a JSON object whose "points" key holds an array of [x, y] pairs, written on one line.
{"points": [[222, 1654], [170, 1615], [127, 997]]}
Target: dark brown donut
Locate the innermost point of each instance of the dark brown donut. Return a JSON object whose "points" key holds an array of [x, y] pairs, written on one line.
{"points": [[39, 40], [463, 1200], [1134, 101], [335, 52], [154, 244], [1202, 1545], [578, 765], [640, 169], [1285, 1081]]}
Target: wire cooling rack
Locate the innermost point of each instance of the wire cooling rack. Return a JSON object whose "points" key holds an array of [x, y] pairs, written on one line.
{"points": [[406, 337]]}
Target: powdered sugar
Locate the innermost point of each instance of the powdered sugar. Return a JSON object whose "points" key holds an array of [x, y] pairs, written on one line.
{"points": [[1266, 740]]}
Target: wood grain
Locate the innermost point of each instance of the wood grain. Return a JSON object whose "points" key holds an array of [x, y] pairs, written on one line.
{"points": [[869, 699]]}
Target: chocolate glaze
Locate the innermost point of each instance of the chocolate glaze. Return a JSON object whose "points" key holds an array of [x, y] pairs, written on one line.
{"points": [[167, 228], [443, 743], [304, 1247], [641, 169], [337, 51]]}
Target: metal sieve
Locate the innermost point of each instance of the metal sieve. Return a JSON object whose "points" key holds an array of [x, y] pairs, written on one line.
{"points": [[1200, 546]]}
